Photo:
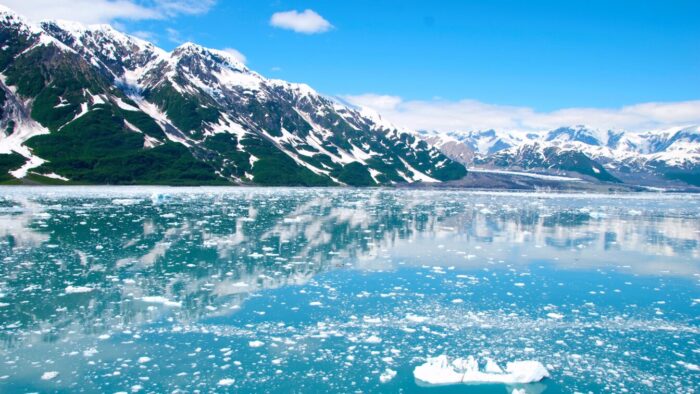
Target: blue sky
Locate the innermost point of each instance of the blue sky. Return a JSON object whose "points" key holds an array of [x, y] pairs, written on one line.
{"points": [[541, 55]]}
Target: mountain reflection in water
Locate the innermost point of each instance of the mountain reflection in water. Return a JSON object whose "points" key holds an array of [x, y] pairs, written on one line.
{"points": [[102, 260]]}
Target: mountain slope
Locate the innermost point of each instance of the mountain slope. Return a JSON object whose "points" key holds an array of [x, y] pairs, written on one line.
{"points": [[93, 105]]}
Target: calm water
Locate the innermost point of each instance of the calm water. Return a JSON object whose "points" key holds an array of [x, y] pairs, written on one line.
{"points": [[288, 290]]}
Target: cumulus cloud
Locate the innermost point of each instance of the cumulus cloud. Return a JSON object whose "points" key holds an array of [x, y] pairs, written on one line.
{"points": [[443, 115], [236, 54], [307, 22], [105, 11]]}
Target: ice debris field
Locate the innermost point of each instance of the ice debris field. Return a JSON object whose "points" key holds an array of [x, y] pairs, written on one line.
{"points": [[316, 290]]}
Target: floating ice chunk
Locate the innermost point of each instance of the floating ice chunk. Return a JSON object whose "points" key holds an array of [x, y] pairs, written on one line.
{"points": [[440, 371], [373, 339], [492, 367], [387, 375], [226, 382], [255, 343], [49, 375], [161, 300], [315, 303], [437, 371], [555, 316], [125, 201], [689, 366], [158, 198], [415, 318], [78, 289], [144, 360], [90, 352]]}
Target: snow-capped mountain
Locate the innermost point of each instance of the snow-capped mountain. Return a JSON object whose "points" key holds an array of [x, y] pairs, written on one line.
{"points": [[606, 155], [91, 104]]}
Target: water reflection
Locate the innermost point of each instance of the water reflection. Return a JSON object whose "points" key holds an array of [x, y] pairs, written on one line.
{"points": [[124, 254], [84, 264]]}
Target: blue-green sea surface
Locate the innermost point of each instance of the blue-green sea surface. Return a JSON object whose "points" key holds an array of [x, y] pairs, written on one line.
{"points": [[155, 290]]}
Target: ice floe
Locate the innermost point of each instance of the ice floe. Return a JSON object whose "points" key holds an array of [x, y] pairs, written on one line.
{"points": [[49, 375], [441, 371], [387, 375], [78, 289]]}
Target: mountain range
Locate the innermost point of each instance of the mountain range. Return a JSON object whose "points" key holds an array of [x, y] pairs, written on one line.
{"points": [[655, 158], [91, 105]]}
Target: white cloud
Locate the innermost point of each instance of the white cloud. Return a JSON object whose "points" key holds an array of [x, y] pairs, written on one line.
{"points": [[105, 11], [143, 34], [307, 22], [236, 54], [174, 35], [442, 115]]}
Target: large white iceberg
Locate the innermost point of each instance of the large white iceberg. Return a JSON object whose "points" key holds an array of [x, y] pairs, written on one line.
{"points": [[440, 371]]}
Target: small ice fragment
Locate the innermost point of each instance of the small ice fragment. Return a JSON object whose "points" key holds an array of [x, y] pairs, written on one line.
{"points": [[689, 366], [144, 360], [415, 318], [78, 289], [387, 375], [90, 352], [49, 375], [255, 343], [373, 339], [555, 316], [226, 382], [315, 303]]}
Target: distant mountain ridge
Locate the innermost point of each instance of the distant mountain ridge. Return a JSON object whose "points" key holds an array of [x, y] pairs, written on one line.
{"points": [[647, 158], [90, 104]]}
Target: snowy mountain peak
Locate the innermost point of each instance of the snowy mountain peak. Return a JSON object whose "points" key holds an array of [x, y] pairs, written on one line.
{"points": [[10, 19], [105, 46], [222, 58], [578, 133]]}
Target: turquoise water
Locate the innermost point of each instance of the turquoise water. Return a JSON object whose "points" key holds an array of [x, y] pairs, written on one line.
{"points": [[291, 290]]}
